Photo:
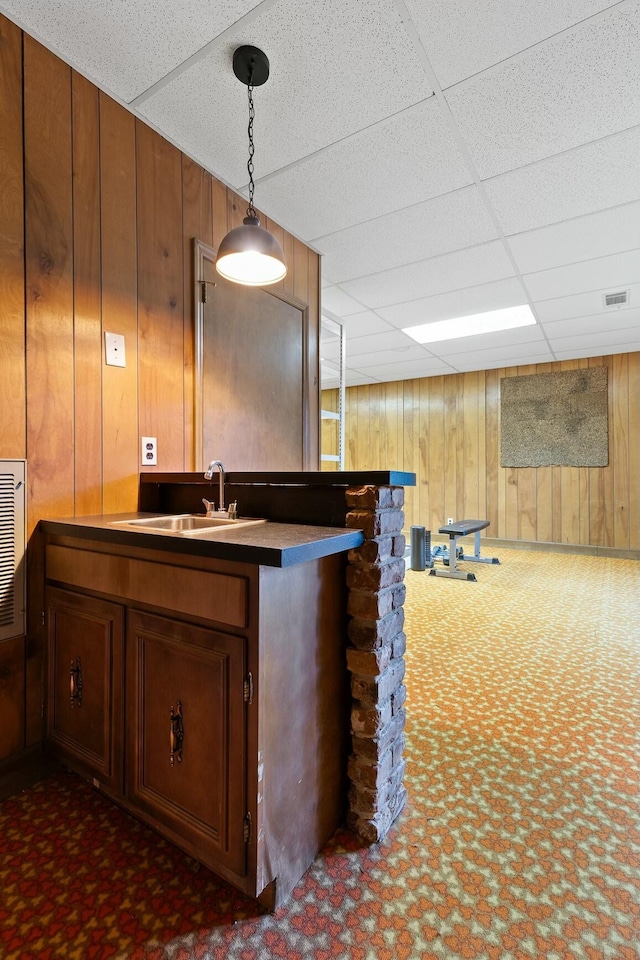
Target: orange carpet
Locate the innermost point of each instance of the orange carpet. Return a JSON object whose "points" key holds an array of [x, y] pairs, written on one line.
{"points": [[520, 840]]}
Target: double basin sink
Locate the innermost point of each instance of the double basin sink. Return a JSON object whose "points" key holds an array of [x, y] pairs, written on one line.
{"points": [[186, 524]]}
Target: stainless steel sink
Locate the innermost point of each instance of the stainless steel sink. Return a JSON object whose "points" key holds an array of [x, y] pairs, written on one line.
{"points": [[188, 524]]}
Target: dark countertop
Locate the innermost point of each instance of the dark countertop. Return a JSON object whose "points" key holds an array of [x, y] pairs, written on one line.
{"points": [[332, 478], [270, 544]]}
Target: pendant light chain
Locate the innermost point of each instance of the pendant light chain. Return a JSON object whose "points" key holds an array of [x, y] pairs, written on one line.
{"points": [[251, 212]]}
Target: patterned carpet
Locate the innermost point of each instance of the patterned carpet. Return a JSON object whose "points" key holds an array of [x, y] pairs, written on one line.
{"points": [[521, 838]]}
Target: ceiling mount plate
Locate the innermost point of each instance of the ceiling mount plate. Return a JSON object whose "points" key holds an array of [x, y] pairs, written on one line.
{"points": [[251, 66]]}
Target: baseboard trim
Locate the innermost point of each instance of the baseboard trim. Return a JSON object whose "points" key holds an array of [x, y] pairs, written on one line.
{"points": [[588, 550]]}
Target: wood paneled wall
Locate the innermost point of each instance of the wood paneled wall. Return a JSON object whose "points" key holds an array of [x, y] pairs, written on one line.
{"points": [[97, 217], [106, 245], [446, 430]]}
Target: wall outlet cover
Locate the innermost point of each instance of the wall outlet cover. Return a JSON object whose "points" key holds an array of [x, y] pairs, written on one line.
{"points": [[148, 451]]}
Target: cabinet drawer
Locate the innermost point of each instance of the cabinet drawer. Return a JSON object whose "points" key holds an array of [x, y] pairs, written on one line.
{"points": [[199, 593]]}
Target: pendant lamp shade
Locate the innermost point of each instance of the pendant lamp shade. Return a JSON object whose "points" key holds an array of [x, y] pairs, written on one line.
{"points": [[250, 254]]}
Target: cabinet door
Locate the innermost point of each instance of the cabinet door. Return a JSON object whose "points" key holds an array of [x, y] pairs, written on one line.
{"points": [[85, 681], [186, 735]]}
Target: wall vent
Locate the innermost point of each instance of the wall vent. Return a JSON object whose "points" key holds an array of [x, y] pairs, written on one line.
{"points": [[12, 549], [618, 299]]}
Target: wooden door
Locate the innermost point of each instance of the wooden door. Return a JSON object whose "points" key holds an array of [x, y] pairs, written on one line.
{"points": [[186, 737], [85, 684], [253, 396]]}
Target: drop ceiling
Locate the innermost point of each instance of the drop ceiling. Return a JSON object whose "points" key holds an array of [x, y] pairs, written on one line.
{"points": [[445, 157]]}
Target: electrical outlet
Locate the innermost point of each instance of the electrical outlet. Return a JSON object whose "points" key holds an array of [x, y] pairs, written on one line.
{"points": [[449, 521], [149, 451]]}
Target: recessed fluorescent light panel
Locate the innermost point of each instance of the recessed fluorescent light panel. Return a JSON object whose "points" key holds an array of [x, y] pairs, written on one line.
{"points": [[477, 323]]}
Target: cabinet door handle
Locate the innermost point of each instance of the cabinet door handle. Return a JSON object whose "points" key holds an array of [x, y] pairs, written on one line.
{"points": [[176, 734], [75, 683]]}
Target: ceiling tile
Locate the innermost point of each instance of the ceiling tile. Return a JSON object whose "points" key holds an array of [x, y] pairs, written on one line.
{"points": [[598, 175], [368, 358], [604, 274], [579, 351], [458, 303], [462, 268], [127, 45], [493, 363], [356, 379], [403, 160], [601, 340], [580, 304], [458, 219], [511, 340], [391, 340], [463, 38], [584, 238], [324, 49], [553, 97], [363, 324], [607, 323], [338, 302], [408, 370]]}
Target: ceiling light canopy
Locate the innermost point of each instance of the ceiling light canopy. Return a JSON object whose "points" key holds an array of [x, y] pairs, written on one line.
{"points": [[249, 254], [476, 323]]}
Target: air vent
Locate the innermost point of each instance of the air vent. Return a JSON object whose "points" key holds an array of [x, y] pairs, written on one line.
{"points": [[12, 548], [618, 299]]}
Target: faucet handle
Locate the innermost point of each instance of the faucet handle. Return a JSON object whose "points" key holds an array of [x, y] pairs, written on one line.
{"points": [[209, 506], [232, 510]]}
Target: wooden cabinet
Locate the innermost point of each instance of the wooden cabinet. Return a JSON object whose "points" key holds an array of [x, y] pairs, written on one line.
{"points": [[186, 733], [215, 699], [85, 683]]}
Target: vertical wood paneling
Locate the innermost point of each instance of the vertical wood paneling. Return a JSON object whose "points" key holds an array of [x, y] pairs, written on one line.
{"points": [[448, 434], [608, 538], [434, 475], [86, 297], [471, 446], [313, 300], [491, 462], [408, 421], [197, 223], [369, 412], [450, 446], [120, 432], [12, 349], [49, 281], [111, 210], [48, 330], [634, 447], [160, 294], [220, 212], [620, 372]]}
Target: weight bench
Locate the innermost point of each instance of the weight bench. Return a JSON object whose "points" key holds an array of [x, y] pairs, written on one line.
{"points": [[454, 531]]}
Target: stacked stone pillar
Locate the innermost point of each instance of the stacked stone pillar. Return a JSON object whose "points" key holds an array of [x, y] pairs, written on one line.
{"points": [[375, 658]]}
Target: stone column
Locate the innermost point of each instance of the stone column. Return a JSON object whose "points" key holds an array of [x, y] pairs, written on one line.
{"points": [[375, 658]]}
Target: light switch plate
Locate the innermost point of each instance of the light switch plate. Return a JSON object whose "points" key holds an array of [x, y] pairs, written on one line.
{"points": [[114, 349]]}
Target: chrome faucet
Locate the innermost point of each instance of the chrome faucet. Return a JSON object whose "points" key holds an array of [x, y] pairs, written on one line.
{"points": [[216, 464]]}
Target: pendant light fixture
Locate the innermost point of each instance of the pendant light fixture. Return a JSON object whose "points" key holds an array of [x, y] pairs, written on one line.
{"points": [[250, 254]]}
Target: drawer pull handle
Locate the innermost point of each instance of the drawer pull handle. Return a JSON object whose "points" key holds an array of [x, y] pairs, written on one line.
{"points": [[75, 683], [176, 734]]}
